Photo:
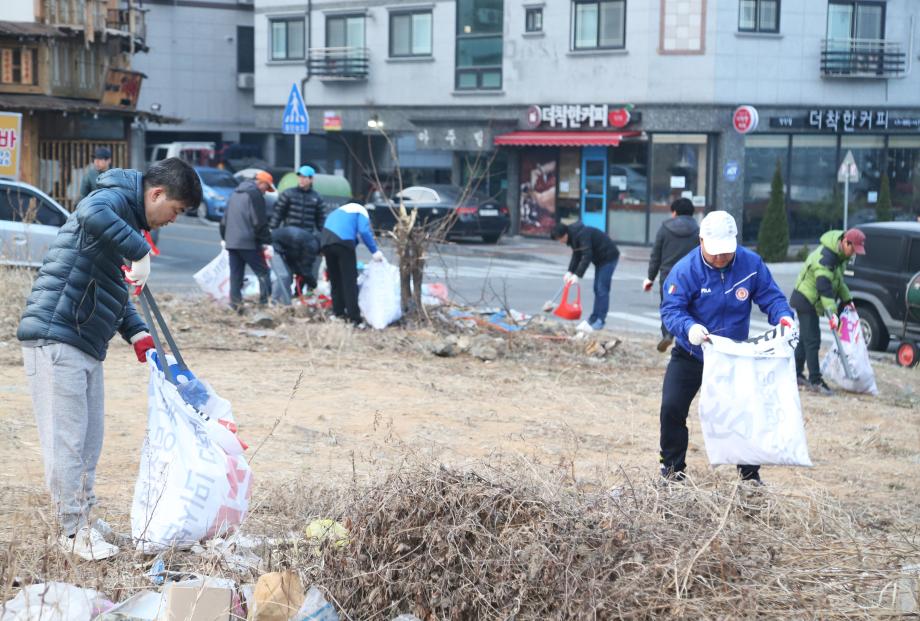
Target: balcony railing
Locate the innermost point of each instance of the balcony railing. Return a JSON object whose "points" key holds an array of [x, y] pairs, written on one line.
{"points": [[130, 21], [862, 58], [338, 63]]}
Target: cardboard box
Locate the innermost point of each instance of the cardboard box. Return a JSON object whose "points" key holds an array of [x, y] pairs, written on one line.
{"points": [[195, 600]]}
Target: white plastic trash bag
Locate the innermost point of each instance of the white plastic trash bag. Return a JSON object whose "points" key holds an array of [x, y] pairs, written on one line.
{"points": [[749, 401], [857, 355], [214, 278], [194, 482], [53, 601], [379, 297]]}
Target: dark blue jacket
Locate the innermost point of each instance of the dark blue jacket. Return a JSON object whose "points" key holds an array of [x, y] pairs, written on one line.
{"points": [[720, 300], [79, 296]]}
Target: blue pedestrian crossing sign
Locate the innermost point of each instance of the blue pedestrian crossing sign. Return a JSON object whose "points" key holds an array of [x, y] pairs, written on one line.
{"points": [[295, 119]]}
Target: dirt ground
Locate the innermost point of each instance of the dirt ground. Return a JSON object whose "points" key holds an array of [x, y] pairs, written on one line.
{"points": [[369, 399]]}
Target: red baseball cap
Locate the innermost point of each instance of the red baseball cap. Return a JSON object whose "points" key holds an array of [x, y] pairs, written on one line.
{"points": [[857, 238]]}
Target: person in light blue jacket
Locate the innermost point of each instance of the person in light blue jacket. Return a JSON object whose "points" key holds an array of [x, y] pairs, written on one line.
{"points": [[340, 236], [709, 291]]}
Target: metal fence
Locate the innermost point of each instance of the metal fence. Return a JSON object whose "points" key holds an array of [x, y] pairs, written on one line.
{"points": [[63, 163]]}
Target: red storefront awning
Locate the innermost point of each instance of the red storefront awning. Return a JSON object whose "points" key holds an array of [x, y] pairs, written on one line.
{"points": [[563, 139]]}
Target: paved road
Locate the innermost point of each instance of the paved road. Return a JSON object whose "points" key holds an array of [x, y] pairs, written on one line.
{"points": [[521, 272]]}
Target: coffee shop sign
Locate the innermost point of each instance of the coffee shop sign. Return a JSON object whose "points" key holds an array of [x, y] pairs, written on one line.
{"points": [[845, 121], [575, 116]]}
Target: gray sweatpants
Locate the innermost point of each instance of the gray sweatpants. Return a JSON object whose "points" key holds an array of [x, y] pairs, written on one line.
{"points": [[67, 398]]}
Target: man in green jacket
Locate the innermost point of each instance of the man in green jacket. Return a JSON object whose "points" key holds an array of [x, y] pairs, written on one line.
{"points": [[817, 290]]}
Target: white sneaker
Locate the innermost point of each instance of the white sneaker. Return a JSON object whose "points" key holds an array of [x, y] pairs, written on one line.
{"points": [[584, 326], [88, 544]]}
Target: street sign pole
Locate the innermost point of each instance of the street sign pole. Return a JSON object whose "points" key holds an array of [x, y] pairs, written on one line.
{"points": [[845, 174], [297, 159]]}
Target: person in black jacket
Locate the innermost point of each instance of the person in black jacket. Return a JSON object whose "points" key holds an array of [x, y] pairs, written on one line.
{"points": [[676, 237], [296, 250], [78, 302], [244, 233], [301, 206], [590, 245]]}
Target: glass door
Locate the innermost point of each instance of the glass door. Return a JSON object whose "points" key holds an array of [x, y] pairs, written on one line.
{"points": [[594, 187]]}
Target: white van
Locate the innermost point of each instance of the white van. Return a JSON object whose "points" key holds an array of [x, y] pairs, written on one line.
{"points": [[195, 153]]}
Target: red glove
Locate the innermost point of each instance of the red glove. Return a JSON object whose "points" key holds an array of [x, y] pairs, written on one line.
{"points": [[141, 346], [833, 321]]}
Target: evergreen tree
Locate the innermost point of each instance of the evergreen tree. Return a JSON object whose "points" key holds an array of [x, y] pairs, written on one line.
{"points": [[883, 207], [773, 239]]}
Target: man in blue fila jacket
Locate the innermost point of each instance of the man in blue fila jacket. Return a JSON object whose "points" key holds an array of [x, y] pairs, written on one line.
{"points": [[709, 291], [340, 238]]}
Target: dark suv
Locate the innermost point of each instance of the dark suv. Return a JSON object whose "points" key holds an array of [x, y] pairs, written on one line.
{"points": [[878, 281]]}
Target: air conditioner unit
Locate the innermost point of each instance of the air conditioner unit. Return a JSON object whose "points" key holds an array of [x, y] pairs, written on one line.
{"points": [[246, 81]]}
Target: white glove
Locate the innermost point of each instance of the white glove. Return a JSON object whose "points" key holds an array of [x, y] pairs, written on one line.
{"points": [[377, 256], [268, 251], [570, 278], [223, 245], [647, 285], [139, 272], [697, 334]]}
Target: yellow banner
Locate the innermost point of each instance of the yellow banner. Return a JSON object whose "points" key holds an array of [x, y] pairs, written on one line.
{"points": [[10, 143]]}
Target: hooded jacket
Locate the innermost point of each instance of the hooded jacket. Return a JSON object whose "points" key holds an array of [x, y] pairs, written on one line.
{"points": [[345, 225], [676, 237], [589, 245], [79, 296], [821, 279], [244, 225], [720, 300], [298, 207], [298, 247]]}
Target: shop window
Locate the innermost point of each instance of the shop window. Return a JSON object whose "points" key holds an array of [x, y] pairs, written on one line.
{"points": [[814, 204], [761, 153], [869, 152], [758, 16], [627, 191], [599, 24], [904, 175], [479, 44], [533, 20], [538, 191], [487, 174], [18, 66], [410, 34], [680, 168], [287, 38]]}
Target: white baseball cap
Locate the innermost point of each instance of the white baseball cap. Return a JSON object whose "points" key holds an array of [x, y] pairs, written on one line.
{"points": [[719, 233]]}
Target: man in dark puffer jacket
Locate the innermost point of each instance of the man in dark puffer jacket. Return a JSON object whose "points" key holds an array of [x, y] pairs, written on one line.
{"points": [[78, 301], [301, 206]]}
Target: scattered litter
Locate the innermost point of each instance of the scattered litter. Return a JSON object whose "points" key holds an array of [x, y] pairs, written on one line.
{"points": [[204, 599], [54, 601], [601, 349], [434, 294], [277, 596], [143, 606], [323, 530], [406, 617], [315, 608], [262, 320]]}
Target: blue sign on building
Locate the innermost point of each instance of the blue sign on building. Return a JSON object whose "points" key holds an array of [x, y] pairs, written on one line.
{"points": [[731, 170], [295, 119]]}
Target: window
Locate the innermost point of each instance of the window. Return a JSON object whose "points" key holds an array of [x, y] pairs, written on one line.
{"points": [[479, 44], [245, 49], [287, 38], [886, 252], [345, 31], [913, 259], [410, 34], [758, 16], [599, 24], [17, 66], [852, 19], [533, 20]]}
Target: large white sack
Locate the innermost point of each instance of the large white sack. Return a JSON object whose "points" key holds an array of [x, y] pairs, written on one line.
{"points": [[749, 402], [52, 601], [379, 296], [193, 482], [857, 354], [214, 278]]}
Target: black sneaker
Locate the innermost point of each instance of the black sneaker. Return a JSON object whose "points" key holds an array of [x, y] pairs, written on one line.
{"points": [[672, 476], [821, 388], [801, 381]]}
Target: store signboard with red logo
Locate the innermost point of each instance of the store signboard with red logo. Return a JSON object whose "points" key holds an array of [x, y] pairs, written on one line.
{"points": [[745, 119], [122, 88], [10, 143], [579, 116], [332, 121]]}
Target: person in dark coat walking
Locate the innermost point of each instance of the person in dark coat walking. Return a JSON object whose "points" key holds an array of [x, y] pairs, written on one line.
{"points": [[245, 234], [590, 245], [79, 300], [676, 237], [300, 206], [102, 161]]}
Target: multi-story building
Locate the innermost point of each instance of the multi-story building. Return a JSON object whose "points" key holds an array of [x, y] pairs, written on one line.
{"points": [[200, 69], [608, 110], [66, 66]]}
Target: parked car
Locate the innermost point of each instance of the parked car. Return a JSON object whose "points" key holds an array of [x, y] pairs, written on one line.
{"points": [[195, 153], [878, 281], [476, 214], [29, 222], [216, 187]]}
